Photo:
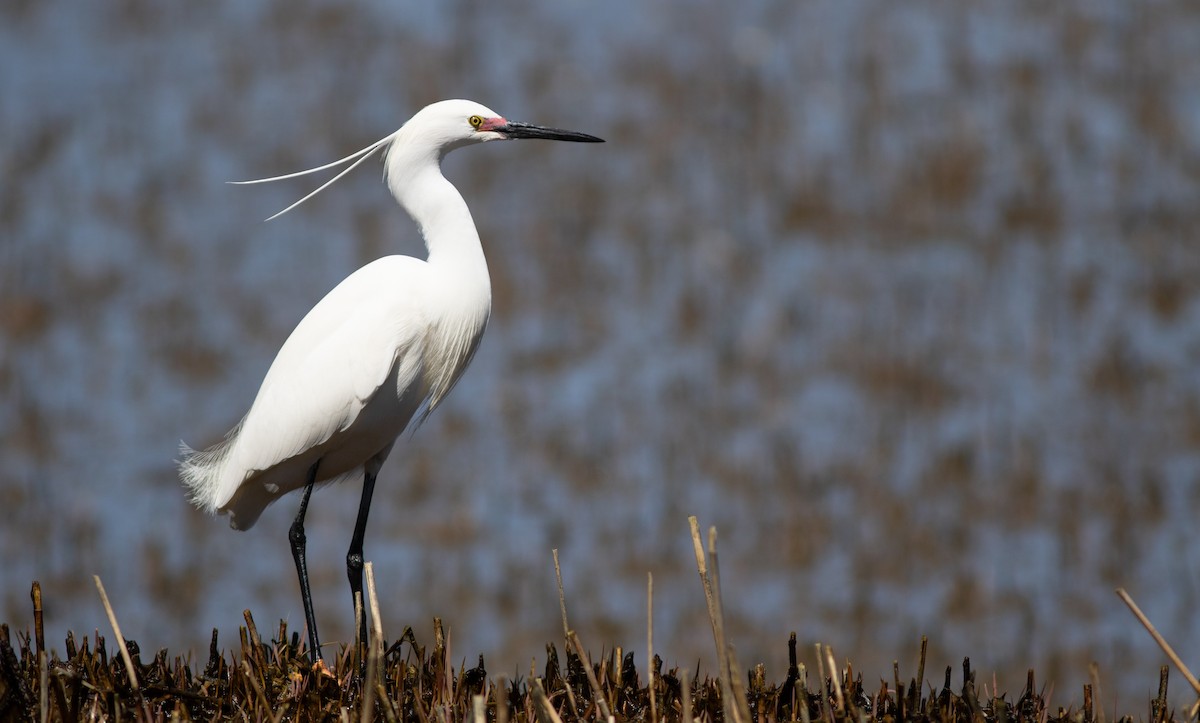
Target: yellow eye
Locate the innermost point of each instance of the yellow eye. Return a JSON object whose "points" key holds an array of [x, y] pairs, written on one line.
{"points": [[475, 121]]}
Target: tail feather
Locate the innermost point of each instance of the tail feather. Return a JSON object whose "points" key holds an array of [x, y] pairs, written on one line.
{"points": [[207, 476], [202, 470]]}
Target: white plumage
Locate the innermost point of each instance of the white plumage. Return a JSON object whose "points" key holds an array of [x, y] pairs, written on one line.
{"points": [[345, 384], [385, 346]]}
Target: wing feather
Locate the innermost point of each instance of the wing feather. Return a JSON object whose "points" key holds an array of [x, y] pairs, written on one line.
{"points": [[366, 331]]}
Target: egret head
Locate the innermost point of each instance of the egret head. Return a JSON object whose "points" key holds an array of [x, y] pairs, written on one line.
{"points": [[451, 124]]}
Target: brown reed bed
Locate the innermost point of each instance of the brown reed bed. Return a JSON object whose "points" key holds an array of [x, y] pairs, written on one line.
{"points": [[402, 680]]}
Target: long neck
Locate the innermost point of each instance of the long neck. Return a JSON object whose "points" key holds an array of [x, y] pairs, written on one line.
{"points": [[415, 179], [460, 290]]}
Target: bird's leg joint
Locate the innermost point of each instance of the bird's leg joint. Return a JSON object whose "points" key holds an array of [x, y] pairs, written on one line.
{"points": [[296, 534]]}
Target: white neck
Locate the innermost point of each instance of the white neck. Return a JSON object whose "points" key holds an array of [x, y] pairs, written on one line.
{"points": [[459, 281], [415, 178]]}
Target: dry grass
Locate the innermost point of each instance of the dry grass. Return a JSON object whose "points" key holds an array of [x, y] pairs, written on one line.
{"points": [[273, 680], [405, 680]]}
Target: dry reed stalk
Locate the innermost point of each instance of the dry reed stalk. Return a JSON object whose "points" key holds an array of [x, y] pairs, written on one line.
{"points": [[921, 665], [1159, 707], [899, 689], [440, 659], [112, 620], [835, 675], [702, 568], [43, 685], [570, 693], [562, 598], [374, 646], [741, 704], [447, 674], [597, 692], [710, 580], [477, 710], [611, 668], [376, 617], [360, 646], [797, 701], [256, 646], [1162, 642], [276, 715], [823, 681], [501, 700], [39, 632], [389, 710], [541, 704], [650, 643], [802, 683]]}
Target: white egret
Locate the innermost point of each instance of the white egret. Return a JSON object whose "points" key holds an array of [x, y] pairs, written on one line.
{"points": [[381, 350]]}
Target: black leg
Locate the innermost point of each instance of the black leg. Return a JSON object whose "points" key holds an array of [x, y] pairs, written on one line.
{"points": [[297, 538], [354, 558]]}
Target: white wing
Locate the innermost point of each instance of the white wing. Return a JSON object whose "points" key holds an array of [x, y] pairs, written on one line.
{"points": [[367, 330]]}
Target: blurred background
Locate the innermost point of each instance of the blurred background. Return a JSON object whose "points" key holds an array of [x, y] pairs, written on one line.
{"points": [[903, 298]]}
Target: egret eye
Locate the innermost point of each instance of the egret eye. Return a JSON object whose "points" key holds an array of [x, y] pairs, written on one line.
{"points": [[475, 121]]}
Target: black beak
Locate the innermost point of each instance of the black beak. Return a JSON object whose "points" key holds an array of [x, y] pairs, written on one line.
{"points": [[515, 129]]}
